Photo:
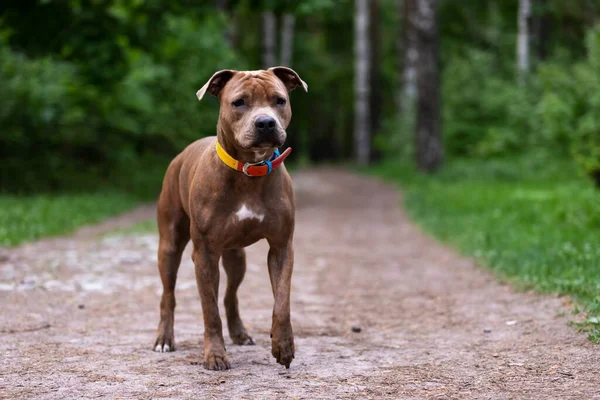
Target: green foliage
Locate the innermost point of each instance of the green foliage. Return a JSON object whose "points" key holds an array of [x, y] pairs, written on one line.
{"points": [[32, 217], [487, 114], [529, 220], [124, 74], [395, 140], [484, 114], [586, 146], [88, 110], [101, 93]]}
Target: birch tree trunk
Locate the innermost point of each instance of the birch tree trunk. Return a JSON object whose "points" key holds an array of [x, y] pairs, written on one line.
{"points": [[269, 34], [410, 51], [400, 56], [374, 79], [428, 144], [523, 39], [361, 81], [287, 39]]}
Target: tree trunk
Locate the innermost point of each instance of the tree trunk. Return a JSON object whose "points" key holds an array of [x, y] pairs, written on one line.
{"points": [[541, 28], [222, 5], [410, 51], [361, 81], [523, 39], [428, 144], [287, 39], [230, 30], [374, 80], [269, 33], [400, 45]]}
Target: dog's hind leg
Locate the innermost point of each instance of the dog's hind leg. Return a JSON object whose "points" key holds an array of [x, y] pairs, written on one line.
{"points": [[234, 263], [174, 231]]}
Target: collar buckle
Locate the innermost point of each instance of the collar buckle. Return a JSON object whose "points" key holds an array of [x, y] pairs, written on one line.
{"points": [[245, 169], [248, 164]]}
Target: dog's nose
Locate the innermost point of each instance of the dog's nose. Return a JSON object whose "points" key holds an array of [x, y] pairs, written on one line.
{"points": [[265, 125]]}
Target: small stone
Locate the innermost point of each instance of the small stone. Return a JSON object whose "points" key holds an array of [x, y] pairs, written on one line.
{"points": [[356, 329], [511, 323], [487, 330], [495, 355], [81, 306]]}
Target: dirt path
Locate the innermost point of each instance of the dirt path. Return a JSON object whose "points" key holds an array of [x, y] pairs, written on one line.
{"points": [[79, 314]]}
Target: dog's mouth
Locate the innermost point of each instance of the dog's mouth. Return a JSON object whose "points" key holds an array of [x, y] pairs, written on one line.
{"points": [[263, 152], [255, 143], [269, 144], [264, 146]]}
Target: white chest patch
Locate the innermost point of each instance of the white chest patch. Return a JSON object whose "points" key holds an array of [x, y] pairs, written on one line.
{"points": [[246, 213]]}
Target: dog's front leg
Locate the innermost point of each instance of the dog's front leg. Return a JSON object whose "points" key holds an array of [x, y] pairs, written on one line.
{"points": [[281, 264], [206, 262]]}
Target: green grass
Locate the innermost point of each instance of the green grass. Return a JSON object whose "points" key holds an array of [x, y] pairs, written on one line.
{"points": [[141, 227], [24, 218], [535, 223]]}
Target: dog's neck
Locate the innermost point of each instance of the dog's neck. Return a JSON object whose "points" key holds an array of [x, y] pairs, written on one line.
{"points": [[240, 154]]}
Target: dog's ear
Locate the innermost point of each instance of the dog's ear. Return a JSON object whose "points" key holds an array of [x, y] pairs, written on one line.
{"points": [[216, 83], [289, 77]]}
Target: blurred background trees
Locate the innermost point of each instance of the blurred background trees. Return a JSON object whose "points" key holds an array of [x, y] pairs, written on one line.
{"points": [[101, 92]]}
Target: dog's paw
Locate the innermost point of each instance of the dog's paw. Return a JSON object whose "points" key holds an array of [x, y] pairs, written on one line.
{"points": [[283, 350], [216, 362], [242, 339], [164, 344]]}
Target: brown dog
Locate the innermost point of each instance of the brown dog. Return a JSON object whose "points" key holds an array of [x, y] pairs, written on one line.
{"points": [[226, 193]]}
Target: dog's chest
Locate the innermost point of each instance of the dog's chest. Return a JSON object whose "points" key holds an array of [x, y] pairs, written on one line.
{"points": [[248, 222], [249, 213]]}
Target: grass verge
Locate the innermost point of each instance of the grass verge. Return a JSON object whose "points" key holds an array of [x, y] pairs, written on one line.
{"points": [[536, 224], [24, 218], [142, 227]]}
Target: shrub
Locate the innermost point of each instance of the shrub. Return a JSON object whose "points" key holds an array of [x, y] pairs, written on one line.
{"points": [[116, 119], [485, 114], [586, 141], [38, 108], [556, 113]]}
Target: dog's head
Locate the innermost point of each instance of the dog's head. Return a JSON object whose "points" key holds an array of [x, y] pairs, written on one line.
{"points": [[255, 106]]}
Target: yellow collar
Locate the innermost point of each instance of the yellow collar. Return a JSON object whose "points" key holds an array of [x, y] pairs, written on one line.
{"points": [[260, 168], [226, 158]]}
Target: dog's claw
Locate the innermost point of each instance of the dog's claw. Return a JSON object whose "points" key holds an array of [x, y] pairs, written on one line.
{"points": [[217, 363], [161, 347], [283, 352], [165, 341], [243, 339]]}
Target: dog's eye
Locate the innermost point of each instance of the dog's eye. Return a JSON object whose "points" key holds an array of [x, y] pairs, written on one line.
{"points": [[280, 101], [238, 103]]}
